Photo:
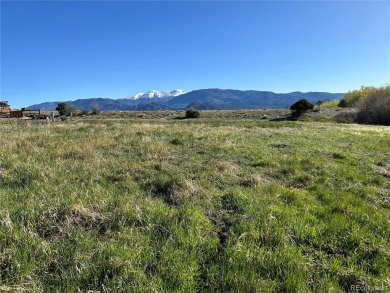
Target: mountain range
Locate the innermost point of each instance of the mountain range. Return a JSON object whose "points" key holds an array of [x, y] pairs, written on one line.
{"points": [[203, 99]]}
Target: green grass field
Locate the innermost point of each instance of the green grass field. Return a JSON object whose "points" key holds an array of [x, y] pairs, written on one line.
{"points": [[204, 205]]}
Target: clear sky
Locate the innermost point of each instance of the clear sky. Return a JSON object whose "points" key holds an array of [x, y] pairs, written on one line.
{"points": [[53, 50]]}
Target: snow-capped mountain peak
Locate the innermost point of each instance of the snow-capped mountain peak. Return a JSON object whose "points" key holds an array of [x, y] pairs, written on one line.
{"points": [[154, 94]]}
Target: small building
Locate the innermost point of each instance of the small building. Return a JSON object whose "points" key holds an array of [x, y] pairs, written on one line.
{"points": [[7, 112], [24, 112]]}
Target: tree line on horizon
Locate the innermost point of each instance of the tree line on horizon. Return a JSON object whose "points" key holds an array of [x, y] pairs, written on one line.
{"points": [[64, 110]]}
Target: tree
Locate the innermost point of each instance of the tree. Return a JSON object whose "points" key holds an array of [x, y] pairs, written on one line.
{"points": [[4, 104], [62, 109], [356, 97], [301, 106]]}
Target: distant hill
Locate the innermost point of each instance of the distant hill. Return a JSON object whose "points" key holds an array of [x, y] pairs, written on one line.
{"points": [[235, 99], [203, 99], [150, 107], [202, 106]]}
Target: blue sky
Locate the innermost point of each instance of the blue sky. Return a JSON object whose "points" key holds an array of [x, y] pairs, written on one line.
{"points": [[53, 50]]}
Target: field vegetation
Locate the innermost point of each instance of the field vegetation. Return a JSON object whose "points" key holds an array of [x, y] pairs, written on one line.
{"points": [[373, 104], [193, 205], [375, 108], [355, 97], [333, 104]]}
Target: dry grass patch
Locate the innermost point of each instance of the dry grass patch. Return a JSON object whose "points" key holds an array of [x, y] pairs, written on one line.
{"points": [[228, 168], [5, 220], [383, 170], [88, 218], [254, 180], [15, 288]]}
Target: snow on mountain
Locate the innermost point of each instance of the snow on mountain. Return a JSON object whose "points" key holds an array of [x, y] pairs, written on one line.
{"points": [[135, 97], [153, 94], [177, 92]]}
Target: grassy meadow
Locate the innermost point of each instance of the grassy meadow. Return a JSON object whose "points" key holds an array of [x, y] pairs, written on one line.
{"points": [[202, 205]]}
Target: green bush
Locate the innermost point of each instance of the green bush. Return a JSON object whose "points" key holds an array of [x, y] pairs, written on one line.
{"points": [[302, 105], [375, 109], [343, 104], [192, 113]]}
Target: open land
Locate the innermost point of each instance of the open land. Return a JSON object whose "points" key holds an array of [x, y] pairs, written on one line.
{"points": [[217, 204]]}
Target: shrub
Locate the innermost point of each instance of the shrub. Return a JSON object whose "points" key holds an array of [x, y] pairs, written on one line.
{"points": [[192, 113], [344, 104], [375, 109], [345, 117], [355, 97], [301, 106]]}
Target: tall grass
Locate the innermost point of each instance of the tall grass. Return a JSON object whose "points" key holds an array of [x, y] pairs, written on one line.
{"points": [[186, 206]]}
